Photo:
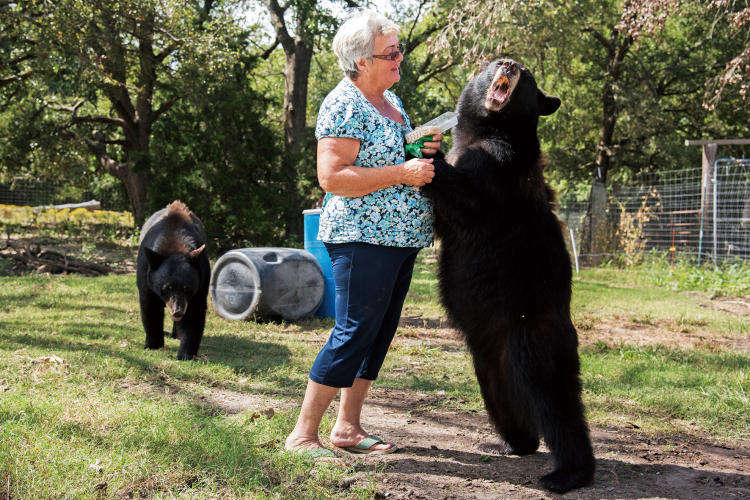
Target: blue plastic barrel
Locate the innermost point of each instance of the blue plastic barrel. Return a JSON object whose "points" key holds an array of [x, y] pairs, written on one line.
{"points": [[316, 247]]}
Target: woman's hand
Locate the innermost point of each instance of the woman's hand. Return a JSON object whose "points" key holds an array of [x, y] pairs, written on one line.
{"points": [[417, 171], [430, 148]]}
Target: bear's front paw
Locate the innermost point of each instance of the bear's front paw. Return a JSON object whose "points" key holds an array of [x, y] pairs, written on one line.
{"points": [[154, 342], [185, 356]]}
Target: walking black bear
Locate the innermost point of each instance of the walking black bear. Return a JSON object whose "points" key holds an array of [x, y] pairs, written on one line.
{"points": [[505, 276], [173, 270]]}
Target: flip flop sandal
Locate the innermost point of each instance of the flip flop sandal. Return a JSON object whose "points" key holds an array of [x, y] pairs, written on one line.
{"points": [[363, 447]]}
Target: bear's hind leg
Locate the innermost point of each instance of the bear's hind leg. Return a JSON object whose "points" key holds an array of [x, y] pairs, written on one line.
{"points": [[546, 358], [508, 414]]}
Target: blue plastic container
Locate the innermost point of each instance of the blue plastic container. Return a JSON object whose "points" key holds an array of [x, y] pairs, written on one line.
{"points": [[314, 246]]}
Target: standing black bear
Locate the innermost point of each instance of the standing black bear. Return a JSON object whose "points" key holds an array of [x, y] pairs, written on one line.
{"points": [[173, 269], [505, 276]]}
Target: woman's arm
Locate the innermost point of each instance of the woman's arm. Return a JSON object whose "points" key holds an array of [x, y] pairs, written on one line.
{"points": [[338, 175]]}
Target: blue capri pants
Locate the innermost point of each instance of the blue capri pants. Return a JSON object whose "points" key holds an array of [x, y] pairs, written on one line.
{"points": [[371, 285]]}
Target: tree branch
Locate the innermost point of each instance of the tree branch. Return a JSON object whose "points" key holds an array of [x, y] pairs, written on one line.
{"points": [[163, 109], [421, 38], [97, 146], [416, 18], [600, 38], [7, 80], [70, 109], [436, 71], [277, 19], [22, 58], [267, 53], [99, 119]]}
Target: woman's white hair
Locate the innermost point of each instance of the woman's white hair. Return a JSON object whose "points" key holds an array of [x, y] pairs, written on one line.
{"points": [[355, 39]]}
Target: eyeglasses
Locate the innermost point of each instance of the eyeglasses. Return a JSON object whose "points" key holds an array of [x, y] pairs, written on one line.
{"points": [[392, 56]]}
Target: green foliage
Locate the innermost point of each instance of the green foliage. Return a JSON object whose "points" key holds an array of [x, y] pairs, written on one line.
{"points": [[658, 89], [730, 279], [207, 53], [216, 152]]}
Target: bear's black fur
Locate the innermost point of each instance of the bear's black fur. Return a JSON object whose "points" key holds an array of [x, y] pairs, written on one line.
{"points": [[505, 276], [173, 270]]}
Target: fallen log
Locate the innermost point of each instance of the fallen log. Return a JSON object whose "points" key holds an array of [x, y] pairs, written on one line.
{"points": [[88, 205], [49, 261]]}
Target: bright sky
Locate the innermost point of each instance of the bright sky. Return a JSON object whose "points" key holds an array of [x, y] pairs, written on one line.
{"points": [[254, 12]]}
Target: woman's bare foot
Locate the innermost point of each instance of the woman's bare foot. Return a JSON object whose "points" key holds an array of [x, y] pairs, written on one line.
{"points": [[312, 447]]}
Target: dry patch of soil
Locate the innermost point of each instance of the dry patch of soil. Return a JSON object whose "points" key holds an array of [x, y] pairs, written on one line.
{"points": [[732, 305], [612, 330], [618, 330], [439, 459]]}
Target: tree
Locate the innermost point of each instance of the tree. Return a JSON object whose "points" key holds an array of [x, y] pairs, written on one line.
{"points": [[736, 71], [217, 151], [108, 71], [17, 41], [623, 68]]}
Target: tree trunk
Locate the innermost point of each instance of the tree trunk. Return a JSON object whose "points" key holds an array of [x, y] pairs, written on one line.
{"points": [[595, 241], [136, 185], [296, 75]]}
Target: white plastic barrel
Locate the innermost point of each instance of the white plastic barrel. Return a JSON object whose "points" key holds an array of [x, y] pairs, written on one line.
{"points": [[286, 282]]}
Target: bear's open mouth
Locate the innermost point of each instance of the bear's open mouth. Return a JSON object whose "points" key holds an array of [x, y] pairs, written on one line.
{"points": [[501, 88]]}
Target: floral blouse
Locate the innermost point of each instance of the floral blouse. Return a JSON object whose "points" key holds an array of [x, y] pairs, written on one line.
{"points": [[394, 216]]}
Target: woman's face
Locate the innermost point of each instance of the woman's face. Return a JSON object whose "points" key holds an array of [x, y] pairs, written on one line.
{"points": [[382, 72]]}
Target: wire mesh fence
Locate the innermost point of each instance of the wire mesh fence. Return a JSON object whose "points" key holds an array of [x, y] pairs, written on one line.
{"points": [[730, 230], [31, 193], [688, 212]]}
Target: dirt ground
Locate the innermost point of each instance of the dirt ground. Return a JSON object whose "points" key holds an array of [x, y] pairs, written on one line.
{"points": [[439, 456], [439, 459]]}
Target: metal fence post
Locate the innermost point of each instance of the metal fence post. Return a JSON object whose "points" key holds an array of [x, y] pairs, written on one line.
{"points": [[716, 208]]}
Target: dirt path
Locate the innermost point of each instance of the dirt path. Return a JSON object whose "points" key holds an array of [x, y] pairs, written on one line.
{"points": [[439, 459], [438, 456]]}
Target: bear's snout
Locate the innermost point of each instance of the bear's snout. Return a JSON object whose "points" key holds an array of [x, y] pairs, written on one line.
{"points": [[177, 307], [510, 67], [501, 86]]}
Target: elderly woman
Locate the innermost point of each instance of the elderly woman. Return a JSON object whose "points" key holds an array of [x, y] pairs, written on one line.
{"points": [[373, 223]]}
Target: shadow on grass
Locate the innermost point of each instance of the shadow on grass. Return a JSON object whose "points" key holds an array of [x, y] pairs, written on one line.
{"points": [[241, 354], [18, 299]]}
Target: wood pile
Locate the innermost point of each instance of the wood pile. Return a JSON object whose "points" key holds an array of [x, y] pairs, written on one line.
{"points": [[36, 258]]}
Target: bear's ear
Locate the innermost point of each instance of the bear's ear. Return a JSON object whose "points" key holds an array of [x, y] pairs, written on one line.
{"points": [[154, 259], [193, 255], [547, 104]]}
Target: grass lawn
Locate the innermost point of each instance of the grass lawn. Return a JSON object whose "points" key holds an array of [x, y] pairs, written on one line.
{"points": [[86, 411]]}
